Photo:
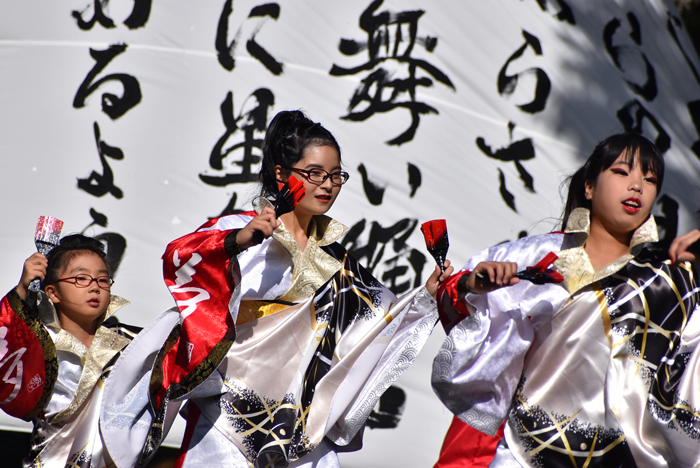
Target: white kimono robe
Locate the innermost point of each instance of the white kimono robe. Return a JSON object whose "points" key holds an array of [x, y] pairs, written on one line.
{"points": [[282, 360], [49, 377], [600, 370]]}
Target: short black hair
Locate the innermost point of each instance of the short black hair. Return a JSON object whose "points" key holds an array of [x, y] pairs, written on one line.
{"points": [[68, 248]]}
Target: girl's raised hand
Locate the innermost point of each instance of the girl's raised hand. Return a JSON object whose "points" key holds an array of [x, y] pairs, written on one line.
{"points": [[34, 267], [496, 275], [437, 278], [681, 251], [264, 223]]}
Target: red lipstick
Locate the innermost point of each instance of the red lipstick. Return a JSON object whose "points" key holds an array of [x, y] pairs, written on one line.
{"points": [[632, 205]]}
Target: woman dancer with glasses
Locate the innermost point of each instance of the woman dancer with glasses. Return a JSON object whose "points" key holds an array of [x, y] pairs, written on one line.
{"points": [[282, 342], [56, 347], [598, 369]]}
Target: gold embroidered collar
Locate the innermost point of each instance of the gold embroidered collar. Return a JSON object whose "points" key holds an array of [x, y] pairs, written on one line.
{"points": [[48, 316], [105, 345], [574, 263], [312, 266]]}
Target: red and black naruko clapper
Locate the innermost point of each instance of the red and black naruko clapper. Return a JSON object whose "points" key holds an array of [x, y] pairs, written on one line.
{"points": [[436, 241], [541, 273], [290, 194]]}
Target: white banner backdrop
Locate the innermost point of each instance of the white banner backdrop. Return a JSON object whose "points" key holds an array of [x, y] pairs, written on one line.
{"points": [[143, 119]]}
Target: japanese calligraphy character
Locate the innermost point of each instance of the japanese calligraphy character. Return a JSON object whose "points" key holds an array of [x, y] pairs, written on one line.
{"points": [[671, 25], [380, 91], [694, 111], [13, 375], [138, 17], [115, 246], [97, 16], [403, 268], [668, 220], [694, 106], [516, 151], [507, 197], [629, 59], [98, 219], [415, 178], [3, 342], [632, 116], [373, 191], [565, 12], [230, 207], [226, 51], [252, 124], [112, 105], [100, 184], [187, 297], [507, 83]]}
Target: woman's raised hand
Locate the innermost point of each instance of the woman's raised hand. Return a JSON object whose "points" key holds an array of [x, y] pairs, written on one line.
{"points": [[264, 223], [495, 275], [681, 250], [437, 278]]}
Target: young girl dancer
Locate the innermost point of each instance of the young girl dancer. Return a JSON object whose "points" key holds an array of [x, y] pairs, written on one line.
{"points": [[599, 369], [56, 349], [285, 342]]}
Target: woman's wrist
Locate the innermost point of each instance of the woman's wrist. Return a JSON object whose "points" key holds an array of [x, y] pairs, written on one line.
{"points": [[231, 246]]}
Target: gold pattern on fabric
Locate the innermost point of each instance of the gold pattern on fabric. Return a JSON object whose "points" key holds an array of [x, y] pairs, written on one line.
{"points": [[269, 408], [49, 316], [105, 345], [645, 331], [575, 265], [289, 414], [632, 372], [671, 284], [157, 373], [253, 310], [605, 315], [561, 433], [350, 278], [205, 368], [312, 266]]}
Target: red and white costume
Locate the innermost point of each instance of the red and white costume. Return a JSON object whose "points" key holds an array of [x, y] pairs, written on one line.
{"points": [[281, 353]]}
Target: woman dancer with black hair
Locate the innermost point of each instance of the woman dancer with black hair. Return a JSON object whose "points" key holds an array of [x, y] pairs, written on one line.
{"points": [[599, 369], [282, 342]]}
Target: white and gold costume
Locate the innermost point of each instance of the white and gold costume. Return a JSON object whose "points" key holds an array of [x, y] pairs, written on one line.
{"points": [[600, 370], [281, 353], [57, 382]]}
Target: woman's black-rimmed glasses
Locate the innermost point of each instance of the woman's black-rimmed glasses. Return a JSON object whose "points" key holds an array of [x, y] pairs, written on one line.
{"points": [[319, 176]]}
